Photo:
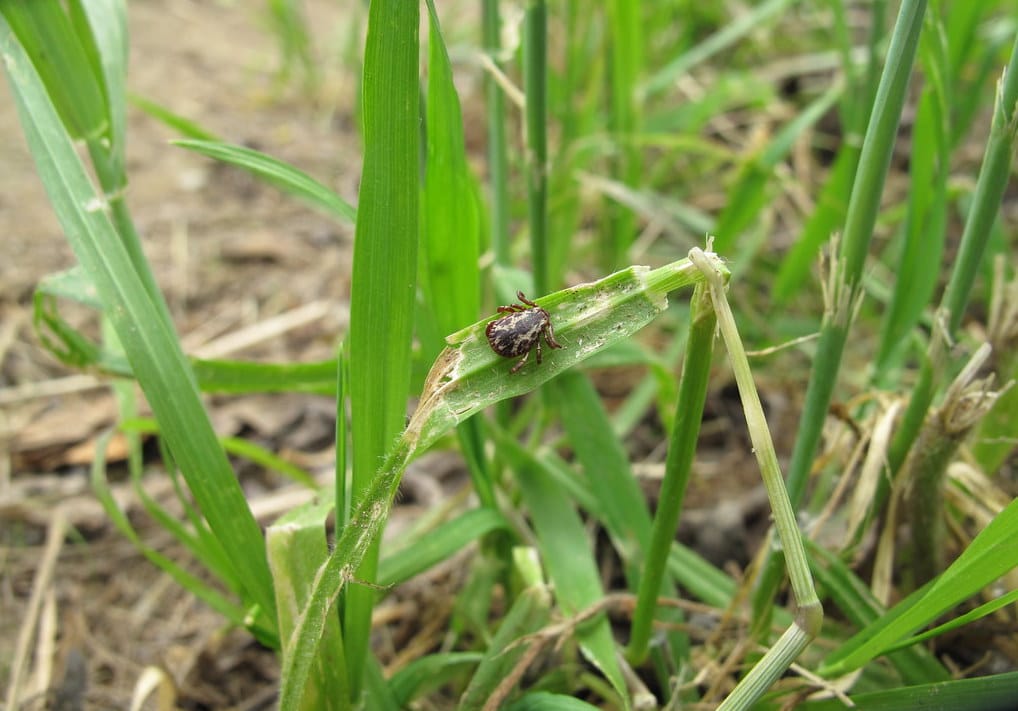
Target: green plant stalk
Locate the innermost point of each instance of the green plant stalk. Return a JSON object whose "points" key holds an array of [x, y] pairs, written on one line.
{"points": [[535, 78], [498, 170], [766, 671], [809, 613], [681, 448], [859, 223], [934, 449], [861, 218], [466, 378], [986, 203], [966, 402]]}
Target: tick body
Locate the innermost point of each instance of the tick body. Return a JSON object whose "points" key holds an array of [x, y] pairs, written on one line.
{"points": [[520, 331]]}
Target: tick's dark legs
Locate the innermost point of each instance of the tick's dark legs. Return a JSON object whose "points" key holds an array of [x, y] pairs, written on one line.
{"points": [[522, 361], [524, 299], [549, 336], [539, 351], [511, 309]]}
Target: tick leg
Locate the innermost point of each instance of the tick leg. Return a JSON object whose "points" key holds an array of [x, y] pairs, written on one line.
{"points": [[539, 351], [510, 309], [520, 364], [549, 336], [524, 299]]}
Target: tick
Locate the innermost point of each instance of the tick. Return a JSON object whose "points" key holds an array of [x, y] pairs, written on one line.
{"points": [[520, 330]]}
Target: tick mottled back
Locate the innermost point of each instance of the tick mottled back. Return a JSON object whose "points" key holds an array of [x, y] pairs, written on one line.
{"points": [[520, 330]]}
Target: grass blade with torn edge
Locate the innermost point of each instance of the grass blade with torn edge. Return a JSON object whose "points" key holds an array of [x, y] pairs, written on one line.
{"points": [[467, 377]]}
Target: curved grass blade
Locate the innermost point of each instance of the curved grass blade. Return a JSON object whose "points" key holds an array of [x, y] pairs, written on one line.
{"points": [[277, 173]]}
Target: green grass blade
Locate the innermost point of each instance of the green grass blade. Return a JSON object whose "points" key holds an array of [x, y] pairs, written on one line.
{"points": [[65, 64], [860, 221], [277, 173], [430, 673], [567, 555], [418, 555], [993, 553], [988, 693], [990, 187], [297, 546], [151, 347], [751, 194], [451, 225], [384, 274], [751, 21], [877, 149], [178, 123], [919, 266], [498, 162], [626, 60], [107, 22], [546, 701]]}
